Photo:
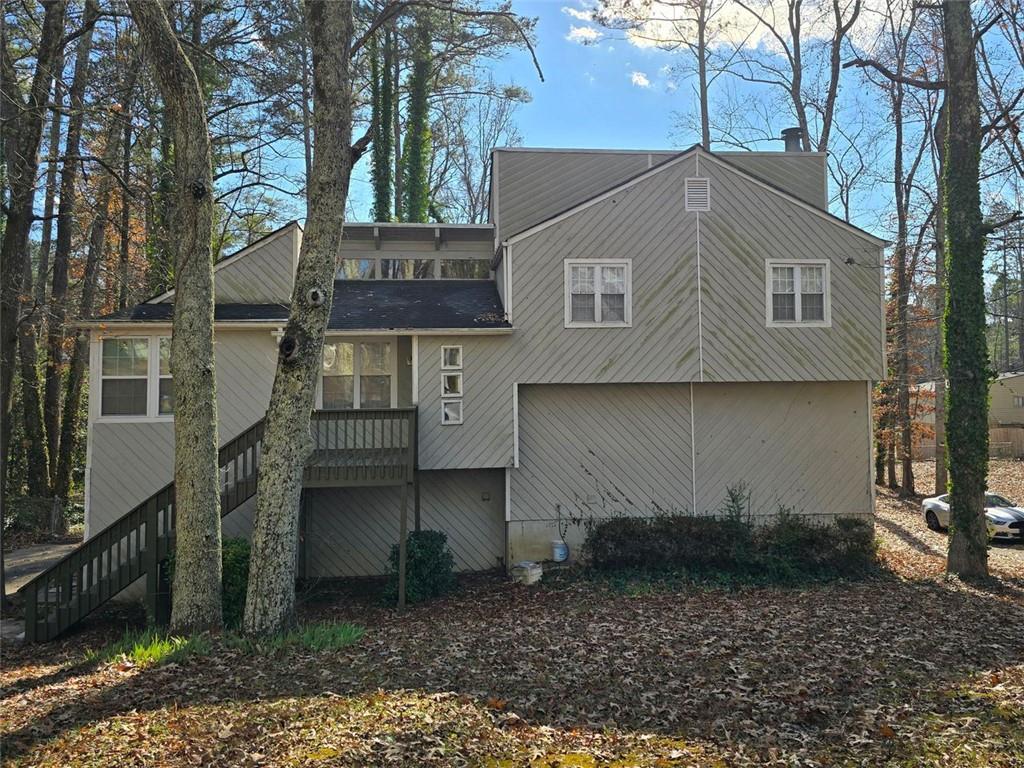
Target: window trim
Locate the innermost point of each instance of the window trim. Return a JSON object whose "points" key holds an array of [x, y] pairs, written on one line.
{"points": [[451, 367], [462, 411], [458, 377], [797, 263], [152, 377], [1018, 401], [357, 367], [627, 311]]}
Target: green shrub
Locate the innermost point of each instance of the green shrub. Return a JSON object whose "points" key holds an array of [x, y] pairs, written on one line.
{"points": [[235, 554], [320, 636], [429, 567], [150, 647], [786, 548]]}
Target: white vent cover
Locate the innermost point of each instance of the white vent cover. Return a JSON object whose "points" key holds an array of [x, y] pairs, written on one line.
{"points": [[698, 194]]}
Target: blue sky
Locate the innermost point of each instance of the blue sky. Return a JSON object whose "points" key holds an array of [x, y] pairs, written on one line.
{"points": [[590, 96]]}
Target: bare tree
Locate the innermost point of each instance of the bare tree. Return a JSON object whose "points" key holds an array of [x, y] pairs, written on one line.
{"points": [[197, 575], [22, 119]]}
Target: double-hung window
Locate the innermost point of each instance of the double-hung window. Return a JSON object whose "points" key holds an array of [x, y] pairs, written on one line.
{"points": [[597, 293], [135, 377], [357, 374], [797, 293]]}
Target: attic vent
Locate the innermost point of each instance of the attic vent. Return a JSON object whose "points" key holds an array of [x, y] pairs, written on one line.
{"points": [[698, 194]]}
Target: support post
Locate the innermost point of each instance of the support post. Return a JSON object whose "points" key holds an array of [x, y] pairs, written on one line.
{"points": [[151, 563], [403, 534], [416, 499]]}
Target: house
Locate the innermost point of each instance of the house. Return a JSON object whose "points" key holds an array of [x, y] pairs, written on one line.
{"points": [[632, 332], [1005, 417]]}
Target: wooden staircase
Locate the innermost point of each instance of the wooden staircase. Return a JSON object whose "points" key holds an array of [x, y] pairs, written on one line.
{"points": [[134, 546]]}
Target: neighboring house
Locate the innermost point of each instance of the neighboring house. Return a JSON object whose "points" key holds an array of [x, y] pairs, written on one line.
{"points": [[632, 333], [1005, 417]]}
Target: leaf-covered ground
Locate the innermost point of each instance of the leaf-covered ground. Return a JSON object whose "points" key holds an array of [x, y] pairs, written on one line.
{"points": [[908, 669]]}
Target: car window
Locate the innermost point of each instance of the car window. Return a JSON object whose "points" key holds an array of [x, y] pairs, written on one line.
{"points": [[995, 500], [944, 498]]}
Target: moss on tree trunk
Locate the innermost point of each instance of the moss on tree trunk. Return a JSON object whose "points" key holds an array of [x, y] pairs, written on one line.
{"points": [[197, 577], [966, 351]]}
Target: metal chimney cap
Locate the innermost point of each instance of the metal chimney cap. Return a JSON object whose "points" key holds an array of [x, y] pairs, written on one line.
{"points": [[793, 138]]}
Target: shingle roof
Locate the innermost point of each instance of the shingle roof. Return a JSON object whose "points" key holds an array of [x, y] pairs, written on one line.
{"points": [[360, 304], [368, 305]]}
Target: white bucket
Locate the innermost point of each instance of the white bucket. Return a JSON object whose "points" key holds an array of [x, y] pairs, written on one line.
{"points": [[559, 551]]}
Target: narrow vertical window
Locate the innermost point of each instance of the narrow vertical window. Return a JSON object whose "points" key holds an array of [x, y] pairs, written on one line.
{"points": [[339, 375], [165, 387], [584, 306], [125, 377], [783, 294], [375, 374]]}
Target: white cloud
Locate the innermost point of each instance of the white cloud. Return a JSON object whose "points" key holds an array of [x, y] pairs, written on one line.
{"points": [[670, 21], [671, 86], [640, 80], [579, 15], [583, 35]]}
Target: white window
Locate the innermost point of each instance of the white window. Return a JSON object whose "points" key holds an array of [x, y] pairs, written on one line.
{"points": [[797, 293], [451, 385], [135, 377], [1018, 401], [451, 412], [597, 293], [358, 374], [451, 358]]}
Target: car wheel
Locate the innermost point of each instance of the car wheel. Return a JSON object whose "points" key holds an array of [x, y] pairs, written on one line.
{"points": [[932, 520]]}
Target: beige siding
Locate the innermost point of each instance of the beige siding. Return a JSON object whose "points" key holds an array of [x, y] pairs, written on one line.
{"points": [[602, 451], [130, 461], [261, 273], [484, 439], [748, 224], [803, 174], [352, 530], [805, 446], [1002, 410], [533, 185], [598, 451], [645, 222]]}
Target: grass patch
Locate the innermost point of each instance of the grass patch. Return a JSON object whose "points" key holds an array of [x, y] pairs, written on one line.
{"points": [[319, 636], [150, 647]]}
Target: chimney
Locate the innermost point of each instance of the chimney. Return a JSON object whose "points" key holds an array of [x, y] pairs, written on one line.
{"points": [[793, 138]]}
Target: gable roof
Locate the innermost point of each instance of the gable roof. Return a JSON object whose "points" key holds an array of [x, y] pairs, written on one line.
{"points": [[699, 151]]}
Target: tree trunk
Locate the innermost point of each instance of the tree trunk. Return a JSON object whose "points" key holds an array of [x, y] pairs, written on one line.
{"points": [[124, 249], [22, 122], [197, 573], [964, 321], [53, 154], [270, 602], [36, 475], [62, 247], [702, 73], [941, 475], [80, 352]]}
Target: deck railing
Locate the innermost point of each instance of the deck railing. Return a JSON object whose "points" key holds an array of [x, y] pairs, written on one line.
{"points": [[352, 447], [362, 447]]}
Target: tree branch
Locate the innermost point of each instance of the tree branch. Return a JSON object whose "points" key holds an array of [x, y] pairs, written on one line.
{"points": [[930, 85], [991, 226]]}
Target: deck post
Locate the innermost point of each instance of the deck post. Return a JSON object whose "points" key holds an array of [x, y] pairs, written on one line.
{"points": [[403, 534], [151, 562]]}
